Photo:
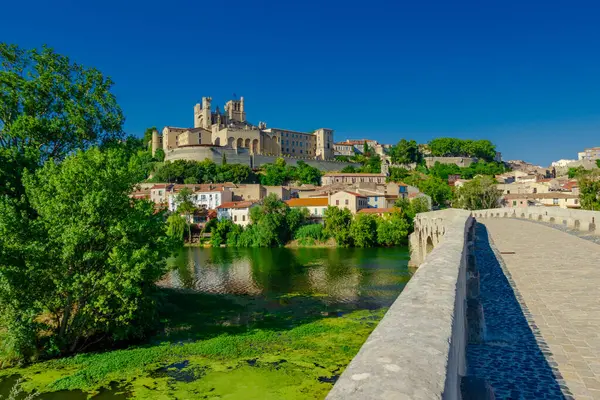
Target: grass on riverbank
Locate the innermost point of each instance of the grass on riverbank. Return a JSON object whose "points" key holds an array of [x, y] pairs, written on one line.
{"points": [[240, 347]]}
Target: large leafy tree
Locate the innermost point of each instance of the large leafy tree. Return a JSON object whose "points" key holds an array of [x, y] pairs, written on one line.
{"points": [[589, 191], [94, 252], [337, 225], [49, 108], [393, 229], [478, 194], [437, 189], [405, 152], [363, 230]]}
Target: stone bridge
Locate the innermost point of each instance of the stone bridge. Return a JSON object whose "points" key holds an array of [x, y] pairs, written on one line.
{"points": [[503, 305]]}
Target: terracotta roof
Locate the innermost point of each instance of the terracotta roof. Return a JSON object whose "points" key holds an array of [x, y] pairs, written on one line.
{"points": [[236, 204], [570, 185], [308, 202], [378, 210], [161, 186]]}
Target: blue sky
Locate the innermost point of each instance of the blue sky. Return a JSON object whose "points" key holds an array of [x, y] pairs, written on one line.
{"points": [[523, 74]]}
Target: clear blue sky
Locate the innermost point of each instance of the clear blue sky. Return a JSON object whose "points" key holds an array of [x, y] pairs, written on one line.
{"points": [[523, 74]]}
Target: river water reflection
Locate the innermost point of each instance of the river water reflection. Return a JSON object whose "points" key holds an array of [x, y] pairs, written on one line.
{"points": [[360, 278]]}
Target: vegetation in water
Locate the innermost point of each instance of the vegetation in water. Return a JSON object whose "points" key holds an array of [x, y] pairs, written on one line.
{"points": [[289, 347]]}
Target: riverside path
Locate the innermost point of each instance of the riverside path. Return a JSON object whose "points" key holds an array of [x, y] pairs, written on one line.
{"points": [[557, 277]]}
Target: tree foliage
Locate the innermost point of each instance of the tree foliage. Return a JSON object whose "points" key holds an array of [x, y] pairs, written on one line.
{"points": [[452, 147], [397, 174], [478, 194], [182, 171], [337, 225], [363, 230], [437, 189], [279, 173], [393, 230], [576, 172], [478, 168], [71, 239], [405, 152], [93, 256], [589, 191]]}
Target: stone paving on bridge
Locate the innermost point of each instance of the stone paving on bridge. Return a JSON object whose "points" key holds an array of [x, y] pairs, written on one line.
{"points": [[556, 277]]}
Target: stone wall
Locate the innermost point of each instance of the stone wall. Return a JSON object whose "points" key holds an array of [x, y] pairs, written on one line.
{"points": [[418, 349], [460, 161], [582, 220], [243, 156]]}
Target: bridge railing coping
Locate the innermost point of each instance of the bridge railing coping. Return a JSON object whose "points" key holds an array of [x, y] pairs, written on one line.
{"points": [[582, 220], [418, 349]]}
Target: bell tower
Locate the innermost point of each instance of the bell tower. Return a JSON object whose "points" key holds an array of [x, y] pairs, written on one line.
{"points": [[235, 110]]}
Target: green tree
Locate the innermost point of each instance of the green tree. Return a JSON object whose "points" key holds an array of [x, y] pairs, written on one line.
{"points": [[589, 191], [393, 229], [438, 190], [275, 174], [576, 172], [363, 230], [349, 169], [97, 251], [159, 155], [443, 170], [307, 174], [49, 108], [223, 159], [176, 227], [366, 151], [186, 206], [220, 231], [397, 174], [337, 225], [478, 194], [147, 139], [405, 152]]}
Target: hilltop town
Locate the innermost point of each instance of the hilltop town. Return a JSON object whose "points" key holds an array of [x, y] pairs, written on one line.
{"points": [[361, 175]]}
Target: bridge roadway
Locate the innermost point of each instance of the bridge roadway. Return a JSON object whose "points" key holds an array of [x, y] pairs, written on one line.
{"points": [[558, 277]]}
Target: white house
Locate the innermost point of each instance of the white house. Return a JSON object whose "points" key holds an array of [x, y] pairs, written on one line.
{"points": [[236, 211], [209, 196]]}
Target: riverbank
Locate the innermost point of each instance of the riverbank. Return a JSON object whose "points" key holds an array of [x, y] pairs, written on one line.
{"points": [[271, 357], [240, 323]]}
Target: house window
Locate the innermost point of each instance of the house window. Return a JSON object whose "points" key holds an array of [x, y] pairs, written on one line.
{"points": [[316, 211], [534, 190], [346, 202], [243, 217], [555, 201], [235, 217], [508, 192], [514, 203], [576, 201], [337, 202]]}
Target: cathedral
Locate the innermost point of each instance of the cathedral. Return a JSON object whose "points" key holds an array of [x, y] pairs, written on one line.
{"points": [[231, 130]]}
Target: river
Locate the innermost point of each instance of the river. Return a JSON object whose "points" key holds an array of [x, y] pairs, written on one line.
{"points": [[213, 292]]}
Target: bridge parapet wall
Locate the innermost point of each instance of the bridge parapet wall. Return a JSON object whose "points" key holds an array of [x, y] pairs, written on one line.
{"points": [[582, 220], [418, 349]]}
